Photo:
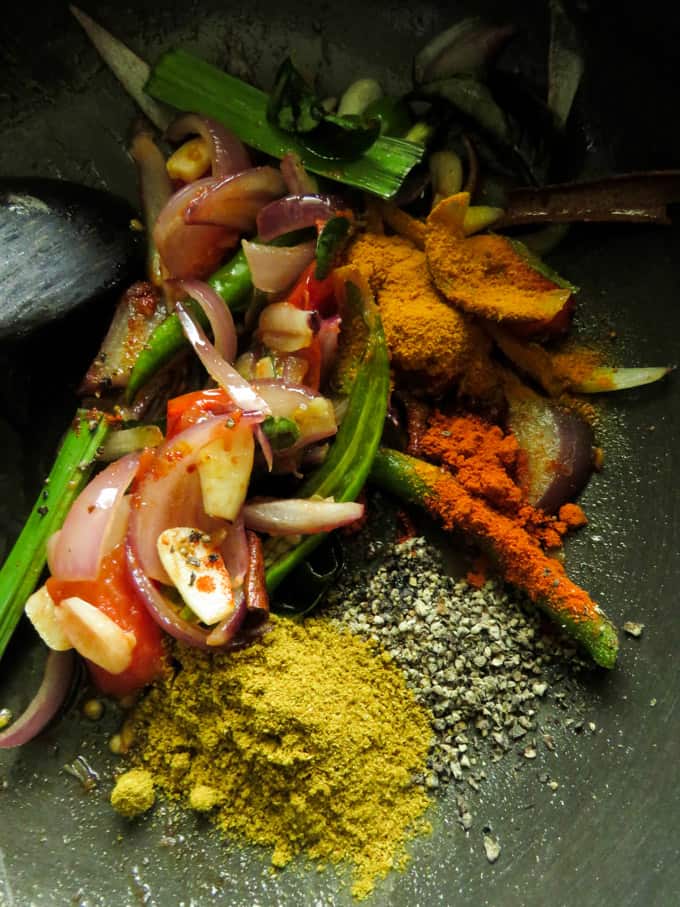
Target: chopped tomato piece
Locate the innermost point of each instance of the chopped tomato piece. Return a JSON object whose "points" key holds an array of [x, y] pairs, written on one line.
{"points": [[187, 410], [114, 593], [312, 294], [312, 355]]}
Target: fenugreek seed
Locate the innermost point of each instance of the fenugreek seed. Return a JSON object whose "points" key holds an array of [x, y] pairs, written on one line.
{"points": [[6, 718], [116, 745]]}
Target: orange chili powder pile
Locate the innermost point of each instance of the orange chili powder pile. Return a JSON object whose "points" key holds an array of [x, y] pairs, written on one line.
{"points": [[519, 555], [486, 461]]}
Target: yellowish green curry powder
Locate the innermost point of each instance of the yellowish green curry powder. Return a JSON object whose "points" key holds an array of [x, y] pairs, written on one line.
{"points": [[308, 742]]}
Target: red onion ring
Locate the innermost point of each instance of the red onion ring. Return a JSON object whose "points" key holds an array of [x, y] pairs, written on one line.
{"points": [[298, 181], [159, 608], [227, 152], [295, 516], [265, 446], [240, 390], [234, 551], [282, 397], [218, 314], [235, 201], [171, 494], [50, 549], [169, 620], [47, 701], [190, 250], [274, 268], [226, 631], [89, 529], [328, 338], [295, 212]]}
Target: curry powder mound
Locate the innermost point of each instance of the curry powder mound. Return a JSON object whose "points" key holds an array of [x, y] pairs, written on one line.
{"points": [[308, 742]]}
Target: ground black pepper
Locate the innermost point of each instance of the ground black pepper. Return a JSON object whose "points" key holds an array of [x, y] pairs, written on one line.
{"points": [[474, 657]]}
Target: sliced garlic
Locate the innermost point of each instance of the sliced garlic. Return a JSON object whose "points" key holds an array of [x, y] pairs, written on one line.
{"points": [[41, 611], [224, 468], [95, 636], [197, 570]]}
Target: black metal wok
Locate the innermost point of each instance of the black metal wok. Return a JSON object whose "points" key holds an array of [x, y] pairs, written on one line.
{"points": [[610, 835]]}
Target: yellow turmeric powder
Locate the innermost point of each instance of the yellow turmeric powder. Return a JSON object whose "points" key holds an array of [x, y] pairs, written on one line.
{"points": [[426, 337], [557, 372], [484, 274]]}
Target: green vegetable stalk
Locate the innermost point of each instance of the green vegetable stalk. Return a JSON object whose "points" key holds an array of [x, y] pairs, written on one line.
{"points": [[344, 472], [232, 282], [70, 473], [189, 83], [522, 561]]}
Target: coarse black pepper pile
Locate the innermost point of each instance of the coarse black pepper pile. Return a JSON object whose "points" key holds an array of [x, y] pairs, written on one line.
{"points": [[482, 663]]}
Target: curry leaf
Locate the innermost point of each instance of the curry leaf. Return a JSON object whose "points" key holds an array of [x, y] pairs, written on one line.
{"points": [[330, 244], [292, 105]]}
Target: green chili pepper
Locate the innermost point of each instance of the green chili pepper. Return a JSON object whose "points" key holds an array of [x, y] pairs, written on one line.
{"points": [[415, 481], [282, 432], [232, 282], [343, 473], [331, 242], [69, 475]]}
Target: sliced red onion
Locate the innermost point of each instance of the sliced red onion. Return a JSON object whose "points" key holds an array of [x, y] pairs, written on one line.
{"points": [[283, 398], [265, 446], [296, 212], [298, 181], [328, 338], [170, 494], [51, 694], [227, 152], [91, 528], [240, 390], [51, 548], [234, 551], [275, 268], [235, 201], [226, 631], [300, 516], [217, 313], [189, 250]]}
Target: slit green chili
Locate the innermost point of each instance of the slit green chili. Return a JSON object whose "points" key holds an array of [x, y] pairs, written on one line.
{"points": [[346, 468], [418, 482]]}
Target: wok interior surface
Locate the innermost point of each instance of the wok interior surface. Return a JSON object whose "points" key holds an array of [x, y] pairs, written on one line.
{"points": [[610, 833]]}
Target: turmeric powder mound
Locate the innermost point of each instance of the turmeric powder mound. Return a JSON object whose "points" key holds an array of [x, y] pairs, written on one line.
{"points": [[556, 371], [484, 274], [424, 334], [308, 742]]}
